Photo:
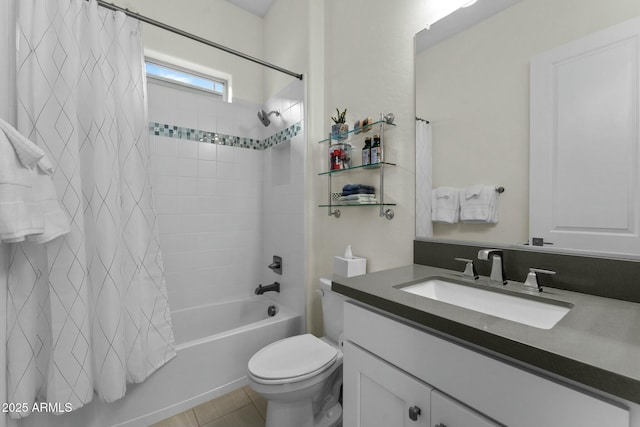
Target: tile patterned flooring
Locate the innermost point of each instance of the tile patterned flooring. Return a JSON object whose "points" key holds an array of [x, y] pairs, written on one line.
{"points": [[240, 408]]}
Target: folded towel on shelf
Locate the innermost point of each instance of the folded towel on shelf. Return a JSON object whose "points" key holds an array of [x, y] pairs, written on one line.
{"points": [[445, 205], [350, 200], [358, 196], [29, 206], [358, 199], [349, 193], [350, 189], [479, 204]]}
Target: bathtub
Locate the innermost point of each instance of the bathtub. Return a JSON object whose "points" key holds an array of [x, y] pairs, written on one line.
{"points": [[214, 343]]}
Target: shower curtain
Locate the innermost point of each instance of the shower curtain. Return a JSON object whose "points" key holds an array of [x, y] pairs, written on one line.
{"points": [[424, 183], [87, 312]]}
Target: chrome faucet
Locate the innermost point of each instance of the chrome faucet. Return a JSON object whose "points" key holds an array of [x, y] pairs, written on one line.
{"points": [[497, 266], [275, 286], [469, 268], [531, 283]]}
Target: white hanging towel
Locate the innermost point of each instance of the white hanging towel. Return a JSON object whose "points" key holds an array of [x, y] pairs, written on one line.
{"points": [[29, 207], [445, 205], [479, 203]]}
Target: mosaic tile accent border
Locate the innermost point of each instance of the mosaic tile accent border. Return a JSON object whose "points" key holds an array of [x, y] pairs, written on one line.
{"points": [[223, 139], [282, 136]]}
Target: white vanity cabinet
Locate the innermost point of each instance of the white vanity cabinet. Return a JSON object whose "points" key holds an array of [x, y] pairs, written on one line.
{"points": [[390, 367], [381, 395], [446, 412], [378, 394]]}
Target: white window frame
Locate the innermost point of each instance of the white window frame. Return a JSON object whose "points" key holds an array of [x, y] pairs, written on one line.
{"points": [[191, 69]]}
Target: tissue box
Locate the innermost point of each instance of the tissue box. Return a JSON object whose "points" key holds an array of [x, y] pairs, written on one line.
{"points": [[349, 267]]}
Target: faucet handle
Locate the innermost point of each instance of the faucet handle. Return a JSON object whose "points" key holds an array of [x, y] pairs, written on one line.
{"points": [[276, 265], [531, 282], [469, 269]]}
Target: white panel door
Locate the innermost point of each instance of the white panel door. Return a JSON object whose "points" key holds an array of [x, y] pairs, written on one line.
{"points": [[377, 394], [584, 142]]}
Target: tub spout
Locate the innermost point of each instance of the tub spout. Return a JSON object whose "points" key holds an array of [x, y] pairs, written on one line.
{"points": [[275, 286]]}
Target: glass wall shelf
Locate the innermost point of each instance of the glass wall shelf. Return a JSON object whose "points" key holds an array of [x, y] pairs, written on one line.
{"points": [[345, 205], [378, 129], [341, 137], [371, 166]]}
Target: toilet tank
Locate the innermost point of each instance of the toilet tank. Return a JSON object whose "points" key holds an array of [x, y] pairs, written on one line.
{"points": [[332, 311]]}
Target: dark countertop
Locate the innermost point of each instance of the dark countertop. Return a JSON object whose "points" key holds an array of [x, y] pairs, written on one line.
{"points": [[596, 344]]}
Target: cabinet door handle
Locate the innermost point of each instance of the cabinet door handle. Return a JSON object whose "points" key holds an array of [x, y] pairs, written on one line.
{"points": [[440, 425], [414, 411]]}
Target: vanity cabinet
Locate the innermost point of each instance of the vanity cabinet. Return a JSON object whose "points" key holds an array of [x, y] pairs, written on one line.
{"points": [[446, 412], [378, 394], [391, 366]]}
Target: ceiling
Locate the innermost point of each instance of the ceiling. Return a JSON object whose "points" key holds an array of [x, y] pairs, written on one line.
{"points": [[459, 21], [257, 7]]}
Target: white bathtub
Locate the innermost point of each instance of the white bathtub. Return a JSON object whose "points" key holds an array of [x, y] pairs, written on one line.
{"points": [[214, 344]]}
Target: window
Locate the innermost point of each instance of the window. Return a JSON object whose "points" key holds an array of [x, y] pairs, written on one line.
{"points": [[174, 75]]}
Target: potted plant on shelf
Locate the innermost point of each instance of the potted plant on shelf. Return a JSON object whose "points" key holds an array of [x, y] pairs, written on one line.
{"points": [[340, 128]]}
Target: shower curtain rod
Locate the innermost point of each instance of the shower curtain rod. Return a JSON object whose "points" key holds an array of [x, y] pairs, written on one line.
{"points": [[178, 31]]}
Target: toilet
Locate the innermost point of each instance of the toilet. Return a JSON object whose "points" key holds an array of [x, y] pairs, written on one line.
{"points": [[301, 376]]}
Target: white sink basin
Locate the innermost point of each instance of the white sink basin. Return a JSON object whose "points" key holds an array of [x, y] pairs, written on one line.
{"points": [[539, 314]]}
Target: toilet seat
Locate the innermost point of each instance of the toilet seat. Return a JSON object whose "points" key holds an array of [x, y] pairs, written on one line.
{"points": [[292, 359]]}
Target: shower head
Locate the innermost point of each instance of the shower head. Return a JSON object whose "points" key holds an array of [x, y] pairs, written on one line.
{"points": [[264, 116]]}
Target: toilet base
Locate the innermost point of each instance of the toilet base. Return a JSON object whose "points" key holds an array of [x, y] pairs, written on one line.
{"points": [[330, 418], [289, 414]]}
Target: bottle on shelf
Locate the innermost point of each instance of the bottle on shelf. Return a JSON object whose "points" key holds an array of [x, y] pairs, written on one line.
{"points": [[340, 156], [376, 150], [366, 151]]}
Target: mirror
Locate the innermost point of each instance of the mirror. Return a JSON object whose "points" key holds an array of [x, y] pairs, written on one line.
{"points": [[472, 84]]}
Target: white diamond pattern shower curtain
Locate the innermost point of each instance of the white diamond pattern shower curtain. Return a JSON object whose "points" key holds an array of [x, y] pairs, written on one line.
{"points": [[87, 312]]}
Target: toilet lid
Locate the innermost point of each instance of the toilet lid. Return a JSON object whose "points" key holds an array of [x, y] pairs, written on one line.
{"points": [[292, 357]]}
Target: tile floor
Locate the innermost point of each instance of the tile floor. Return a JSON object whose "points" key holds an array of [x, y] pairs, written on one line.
{"points": [[240, 408]]}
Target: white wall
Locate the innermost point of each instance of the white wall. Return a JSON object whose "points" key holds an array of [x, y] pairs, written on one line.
{"points": [[215, 20], [369, 70], [285, 42], [474, 88]]}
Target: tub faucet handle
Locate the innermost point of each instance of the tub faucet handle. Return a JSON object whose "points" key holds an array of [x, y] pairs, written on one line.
{"points": [[276, 265], [469, 269]]}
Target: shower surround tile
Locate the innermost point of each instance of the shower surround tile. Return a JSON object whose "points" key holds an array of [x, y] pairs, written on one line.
{"points": [[208, 165], [221, 139]]}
